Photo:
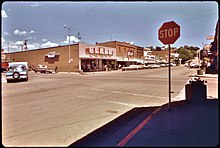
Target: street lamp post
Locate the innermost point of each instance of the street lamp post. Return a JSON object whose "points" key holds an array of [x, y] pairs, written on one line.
{"points": [[65, 26]]}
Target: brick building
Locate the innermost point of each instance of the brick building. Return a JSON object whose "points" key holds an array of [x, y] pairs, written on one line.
{"points": [[127, 54], [84, 57]]}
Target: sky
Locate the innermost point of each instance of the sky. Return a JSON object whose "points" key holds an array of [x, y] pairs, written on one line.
{"points": [[42, 23]]}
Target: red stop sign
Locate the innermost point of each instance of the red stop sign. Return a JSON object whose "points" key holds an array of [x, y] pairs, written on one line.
{"points": [[169, 32]]}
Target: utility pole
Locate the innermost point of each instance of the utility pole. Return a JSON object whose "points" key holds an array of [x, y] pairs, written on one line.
{"points": [[65, 26]]}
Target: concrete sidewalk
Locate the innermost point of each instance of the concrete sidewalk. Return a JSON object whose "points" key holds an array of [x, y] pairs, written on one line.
{"points": [[189, 123]]}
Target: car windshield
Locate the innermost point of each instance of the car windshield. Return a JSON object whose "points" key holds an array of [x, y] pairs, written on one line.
{"points": [[17, 66]]}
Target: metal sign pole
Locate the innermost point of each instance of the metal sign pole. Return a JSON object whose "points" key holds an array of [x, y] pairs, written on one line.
{"points": [[169, 80]]}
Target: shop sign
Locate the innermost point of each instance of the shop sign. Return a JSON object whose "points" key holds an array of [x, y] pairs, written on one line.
{"points": [[106, 51], [91, 50], [99, 50], [51, 54]]}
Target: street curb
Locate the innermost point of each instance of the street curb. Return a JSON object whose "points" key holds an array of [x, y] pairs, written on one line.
{"points": [[207, 76], [138, 128]]}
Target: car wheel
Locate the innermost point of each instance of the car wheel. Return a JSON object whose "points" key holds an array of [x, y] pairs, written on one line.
{"points": [[16, 75]]}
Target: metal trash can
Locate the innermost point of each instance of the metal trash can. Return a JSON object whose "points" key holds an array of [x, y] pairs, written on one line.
{"points": [[196, 90], [199, 72], [188, 92]]}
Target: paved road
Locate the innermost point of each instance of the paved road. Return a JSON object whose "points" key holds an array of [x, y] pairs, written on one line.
{"points": [[58, 109]]}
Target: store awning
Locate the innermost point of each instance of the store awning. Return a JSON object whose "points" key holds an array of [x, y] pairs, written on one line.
{"points": [[94, 56]]}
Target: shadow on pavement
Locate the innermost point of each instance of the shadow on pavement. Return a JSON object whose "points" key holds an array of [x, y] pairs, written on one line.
{"points": [[189, 123], [111, 133]]}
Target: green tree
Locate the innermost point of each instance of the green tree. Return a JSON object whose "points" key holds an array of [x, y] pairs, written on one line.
{"points": [[194, 53], [185, 54]]}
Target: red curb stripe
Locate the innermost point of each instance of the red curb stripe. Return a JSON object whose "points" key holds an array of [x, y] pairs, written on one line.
{"points": [[137, 129]]}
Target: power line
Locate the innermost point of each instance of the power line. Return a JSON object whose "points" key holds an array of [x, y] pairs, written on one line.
{"points": [[87, 13]]}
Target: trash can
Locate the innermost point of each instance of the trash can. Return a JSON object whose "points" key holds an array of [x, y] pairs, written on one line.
{"points": [[188, 92], [199, 72], [196, 90]]}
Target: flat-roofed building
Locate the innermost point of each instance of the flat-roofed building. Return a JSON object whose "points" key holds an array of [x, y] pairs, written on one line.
{"points": [[127, 54], [86, 57]]}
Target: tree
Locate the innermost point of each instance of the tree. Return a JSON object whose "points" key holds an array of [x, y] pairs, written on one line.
{"points": [[185, 54], [158, 48], [194, 53], [186, 47]]}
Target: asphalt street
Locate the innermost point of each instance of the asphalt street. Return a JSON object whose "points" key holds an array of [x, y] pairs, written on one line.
{"points": [[58, 109]]}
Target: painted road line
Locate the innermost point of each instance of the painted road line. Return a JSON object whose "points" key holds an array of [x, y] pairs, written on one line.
{"points": [[128, 93], [123, 103], [138, 128]]}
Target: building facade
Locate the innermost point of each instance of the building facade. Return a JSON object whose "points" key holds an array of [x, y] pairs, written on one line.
{"points": [[96, 58], [86, 57], [127, 54]]}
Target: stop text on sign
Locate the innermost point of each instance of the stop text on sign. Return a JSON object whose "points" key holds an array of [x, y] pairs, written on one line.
{"points": [[169, 33]]}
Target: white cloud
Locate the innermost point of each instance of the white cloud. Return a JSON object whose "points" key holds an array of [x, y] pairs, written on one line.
{"points": [[16, 32], [35, 5], [31, 37], [23, 33], [20, 33], [33, 46], [18, 42], [14, 46], [72, 39], [6, 33], [3, 13], [132, 42], [49, 44], [44, 40], [32, 31]]}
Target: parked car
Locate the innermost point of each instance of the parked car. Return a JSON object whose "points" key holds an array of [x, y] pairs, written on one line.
{"points": [[172, 64], [155, 66], [146, 66], [194, 65], [42, 69], [164, 65], [17, 72]]}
